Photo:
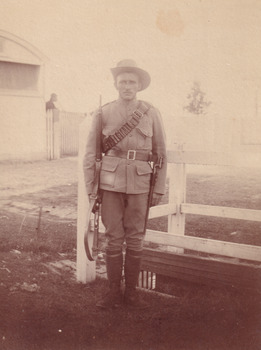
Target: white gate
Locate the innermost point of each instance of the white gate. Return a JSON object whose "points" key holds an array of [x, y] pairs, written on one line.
{"points": [[69, 128], [62, 130], [52, 134]]}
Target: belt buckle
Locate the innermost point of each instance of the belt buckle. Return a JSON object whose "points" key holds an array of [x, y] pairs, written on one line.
{"points": [[131, 155]]}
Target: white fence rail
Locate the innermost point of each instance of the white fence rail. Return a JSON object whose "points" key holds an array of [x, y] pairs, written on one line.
{"points": [[210, 246]]}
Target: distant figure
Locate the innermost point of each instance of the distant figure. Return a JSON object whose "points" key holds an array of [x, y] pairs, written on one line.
{"points": [[50, 104]]}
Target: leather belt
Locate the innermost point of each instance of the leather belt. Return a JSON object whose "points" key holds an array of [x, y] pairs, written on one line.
{"points": [[130, 155]]}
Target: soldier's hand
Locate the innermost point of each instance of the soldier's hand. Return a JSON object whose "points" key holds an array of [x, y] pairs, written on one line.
{"points": [[156, 198]]}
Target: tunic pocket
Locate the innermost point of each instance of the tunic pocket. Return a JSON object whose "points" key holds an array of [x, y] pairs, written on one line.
{"points": [[143, 179], [108, 171]]}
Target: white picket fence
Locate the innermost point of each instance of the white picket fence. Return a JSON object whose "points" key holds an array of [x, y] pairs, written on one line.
{"points": [[52, 134], [62, 133], [69, 126], [176, 210]]}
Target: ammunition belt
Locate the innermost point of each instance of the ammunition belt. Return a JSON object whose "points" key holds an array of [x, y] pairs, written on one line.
{"points": [[111, 140]]}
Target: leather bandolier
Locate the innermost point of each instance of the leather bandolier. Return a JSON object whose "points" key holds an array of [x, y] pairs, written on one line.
{"points": [[112, 140]]}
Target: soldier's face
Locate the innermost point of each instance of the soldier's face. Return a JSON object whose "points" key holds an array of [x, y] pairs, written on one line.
{"points": [[128, 85]]}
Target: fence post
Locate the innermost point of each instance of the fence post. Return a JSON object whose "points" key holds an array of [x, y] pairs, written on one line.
{"points": [[56, 134], [177, 194], [85, 269], [49, 134]]}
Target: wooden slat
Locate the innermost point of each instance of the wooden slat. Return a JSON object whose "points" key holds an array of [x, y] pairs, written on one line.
{"points": [[201, 270], [222, 212], [198, 276], [162, 210], [206, 265], [234, 250]]}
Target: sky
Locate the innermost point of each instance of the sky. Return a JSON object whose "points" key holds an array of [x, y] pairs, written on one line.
{"points": [[214, 42]]}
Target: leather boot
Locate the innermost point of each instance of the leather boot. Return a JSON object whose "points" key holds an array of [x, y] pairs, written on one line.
{"points": [[113, 298], [131, 271]]}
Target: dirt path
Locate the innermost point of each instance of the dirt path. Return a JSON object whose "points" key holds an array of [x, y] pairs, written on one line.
{"points": [[23, 183], [23, 177]]}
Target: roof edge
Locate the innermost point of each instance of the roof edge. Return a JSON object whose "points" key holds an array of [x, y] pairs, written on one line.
{"points": [[25, 44]]}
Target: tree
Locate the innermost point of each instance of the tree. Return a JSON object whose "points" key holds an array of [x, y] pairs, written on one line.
{"points": [[197, 103]]}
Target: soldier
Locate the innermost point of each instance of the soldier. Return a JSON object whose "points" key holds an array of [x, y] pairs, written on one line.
{"points": [[125, 175]]}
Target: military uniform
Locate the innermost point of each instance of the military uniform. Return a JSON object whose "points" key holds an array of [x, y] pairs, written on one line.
{"points": [[121, 172], [125, 181]]}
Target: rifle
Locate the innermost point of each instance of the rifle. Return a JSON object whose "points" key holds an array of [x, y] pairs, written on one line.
{"points": [[91, 237], [91, 234], [155, 166]]}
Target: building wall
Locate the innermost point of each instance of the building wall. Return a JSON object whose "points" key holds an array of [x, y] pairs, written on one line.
{"points": [[23, 128], [22, 106]]}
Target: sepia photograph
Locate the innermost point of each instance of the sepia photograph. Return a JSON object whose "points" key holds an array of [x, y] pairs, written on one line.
{"points": [[130, 175]]}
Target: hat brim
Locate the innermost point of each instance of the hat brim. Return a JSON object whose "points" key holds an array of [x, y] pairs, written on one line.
{"points": [[143, 75]]}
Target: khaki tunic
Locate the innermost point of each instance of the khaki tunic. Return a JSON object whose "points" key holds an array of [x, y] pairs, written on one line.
{"points": [[123, 175]]}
